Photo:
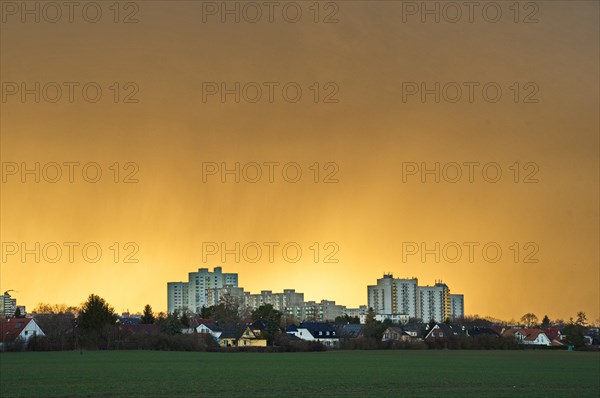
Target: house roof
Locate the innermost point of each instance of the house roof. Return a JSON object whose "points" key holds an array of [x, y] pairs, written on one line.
{"points": [[11, 328], [527, 333], [212, 326], [258, 325], [292, 328], [552, 333], [129, 320], [349, 330], [447, 330], [319, 329], [532, 334], [230, 331], [510, 332], [415, 328]]}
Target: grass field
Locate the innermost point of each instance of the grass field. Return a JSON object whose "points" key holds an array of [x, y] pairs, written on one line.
{"points": [[329, 374]]}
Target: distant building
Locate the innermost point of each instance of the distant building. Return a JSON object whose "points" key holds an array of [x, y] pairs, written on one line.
{"points": [[325, 310], [392, 296], [356, 312], [434, 302], [177, 296], [193, 294], [8, 306], [401, 299], [214, 295], [279, 301], [457, 306]]}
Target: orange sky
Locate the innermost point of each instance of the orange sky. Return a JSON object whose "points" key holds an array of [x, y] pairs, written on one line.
{"points": [[369, 133]]}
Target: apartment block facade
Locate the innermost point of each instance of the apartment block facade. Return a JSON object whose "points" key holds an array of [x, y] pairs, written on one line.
{"points": [[434, 302], [395, 298], [8, 305], [279, 301], [193, 294], [457, 306]]}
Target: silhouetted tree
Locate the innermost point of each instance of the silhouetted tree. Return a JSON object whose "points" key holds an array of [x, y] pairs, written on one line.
{"points": [[207, 312], [44, 308], [581, 319], [575, 334], [227, 311], [148, 316], [372, 328], [272, 317], [529, 319], [96, 313], [169, 324], [96, 321], [545, 322], [185, 320]]}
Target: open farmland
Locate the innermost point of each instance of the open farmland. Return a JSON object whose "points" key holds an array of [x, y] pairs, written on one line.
{"points": [[429, 373]]}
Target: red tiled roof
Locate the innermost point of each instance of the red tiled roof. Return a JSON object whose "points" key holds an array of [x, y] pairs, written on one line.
{"points": [[533, 334], [552, 333], [497, 329], [10, 329], [510, 332]]}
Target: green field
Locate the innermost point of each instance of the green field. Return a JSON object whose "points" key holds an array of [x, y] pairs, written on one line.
{"points": [[337, 373]]}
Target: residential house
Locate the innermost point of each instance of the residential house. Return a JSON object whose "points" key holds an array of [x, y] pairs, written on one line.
{"points": [[210, 328], [529, 336], [315, 331], [553, 333], [349, 330], [397, 334], [229, 336], [442, 331], [253, 335], [18, 331]]}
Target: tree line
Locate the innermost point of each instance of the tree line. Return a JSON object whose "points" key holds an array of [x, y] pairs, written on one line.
{"points": [[94, 325]]}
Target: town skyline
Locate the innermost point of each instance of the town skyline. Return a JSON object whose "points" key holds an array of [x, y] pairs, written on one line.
{"points": [[317, 299]]}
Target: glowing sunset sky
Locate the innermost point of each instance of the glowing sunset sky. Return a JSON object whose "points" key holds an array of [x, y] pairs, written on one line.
{"points": [[369, 133]]}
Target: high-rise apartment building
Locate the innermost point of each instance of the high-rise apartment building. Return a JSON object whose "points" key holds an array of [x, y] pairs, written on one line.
{"points": [[434, 302], [325, 310], [215, 295], [393, 296], [457, 306], [279, 301], [8, 305], [193, 294]]}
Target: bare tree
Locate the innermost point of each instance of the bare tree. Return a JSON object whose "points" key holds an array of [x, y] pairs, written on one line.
{"points": [[529, 319]]}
